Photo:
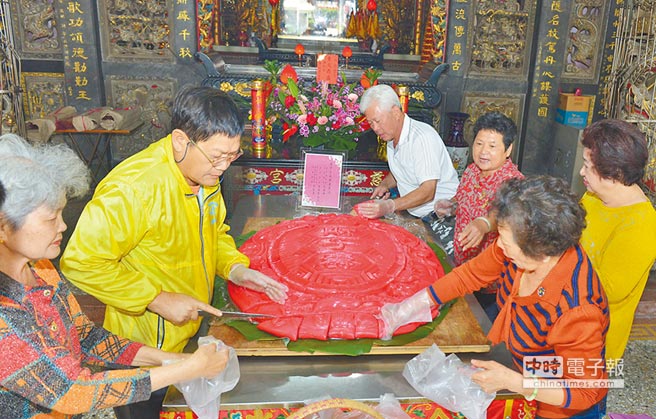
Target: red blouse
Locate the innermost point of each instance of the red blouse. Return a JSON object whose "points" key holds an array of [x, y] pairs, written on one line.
{"points": [[473, 197]]}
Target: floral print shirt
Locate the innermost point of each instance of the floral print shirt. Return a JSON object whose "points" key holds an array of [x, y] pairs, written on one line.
{"points": [[45, 342], [474, 195]]}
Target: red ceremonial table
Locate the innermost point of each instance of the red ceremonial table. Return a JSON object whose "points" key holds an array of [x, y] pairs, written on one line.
{"points": [[275, 381]]}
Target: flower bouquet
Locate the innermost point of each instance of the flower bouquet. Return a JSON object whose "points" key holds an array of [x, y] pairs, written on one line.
{"points": [[321, 114]]}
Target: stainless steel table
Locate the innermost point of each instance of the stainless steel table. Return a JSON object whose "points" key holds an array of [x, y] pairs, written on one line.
{"points": [[289, 381]]}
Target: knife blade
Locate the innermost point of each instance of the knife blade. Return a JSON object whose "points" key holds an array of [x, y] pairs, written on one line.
{"points": [[237, 314]]}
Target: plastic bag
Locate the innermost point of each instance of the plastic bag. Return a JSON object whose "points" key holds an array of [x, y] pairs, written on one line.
{"points": [[390, 407], [446, 380], [203, 395]]}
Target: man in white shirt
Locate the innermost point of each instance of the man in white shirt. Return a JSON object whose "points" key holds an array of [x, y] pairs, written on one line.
{"points": [[420, 166]]}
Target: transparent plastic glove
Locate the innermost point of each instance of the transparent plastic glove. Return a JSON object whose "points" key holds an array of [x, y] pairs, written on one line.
{"points": [[203, 395], [375, 208], [446, 380], [413, 309], [257, 281], [444, 208]]}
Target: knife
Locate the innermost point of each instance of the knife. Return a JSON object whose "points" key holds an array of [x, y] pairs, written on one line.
{"points": [[237, 314]]}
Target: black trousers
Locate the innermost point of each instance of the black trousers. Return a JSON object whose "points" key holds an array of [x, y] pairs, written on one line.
{"points": [[147, 409]]}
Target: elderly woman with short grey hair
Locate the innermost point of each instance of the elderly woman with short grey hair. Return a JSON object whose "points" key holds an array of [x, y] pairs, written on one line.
{"points": [[46, 341]]}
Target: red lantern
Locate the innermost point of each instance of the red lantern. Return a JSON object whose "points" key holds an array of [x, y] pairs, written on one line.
{"points": [[371, 5], [299, 50], [347, 52]]}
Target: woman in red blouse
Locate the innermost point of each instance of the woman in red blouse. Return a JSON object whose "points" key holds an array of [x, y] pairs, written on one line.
{"points": [[494, 134], [46, 342]]}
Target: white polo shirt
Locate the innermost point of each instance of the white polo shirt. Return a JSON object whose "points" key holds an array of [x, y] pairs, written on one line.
{"points": [[419, 156]]}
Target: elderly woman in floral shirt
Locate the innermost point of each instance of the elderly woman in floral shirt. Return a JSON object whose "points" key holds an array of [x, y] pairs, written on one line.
{"points": [[494, 134], [46, 342]]}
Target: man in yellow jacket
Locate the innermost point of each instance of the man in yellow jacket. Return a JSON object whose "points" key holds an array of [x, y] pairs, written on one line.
{"points": [[152, 238]]}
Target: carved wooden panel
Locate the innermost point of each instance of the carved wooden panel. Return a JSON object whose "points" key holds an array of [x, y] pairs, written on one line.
{"points": [[585, 36], [43, 93], [151, 97], [136, 30], [501, 37], [36, 29]]}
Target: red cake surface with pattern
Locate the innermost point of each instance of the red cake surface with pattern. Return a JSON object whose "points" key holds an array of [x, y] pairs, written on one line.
{"points": [[340, 270]]}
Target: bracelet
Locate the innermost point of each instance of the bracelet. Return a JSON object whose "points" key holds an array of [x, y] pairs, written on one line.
{"points": [[535, 390], [489, 225]]}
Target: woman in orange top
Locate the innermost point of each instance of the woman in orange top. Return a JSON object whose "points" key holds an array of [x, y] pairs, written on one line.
{"points": [[552, 303]]}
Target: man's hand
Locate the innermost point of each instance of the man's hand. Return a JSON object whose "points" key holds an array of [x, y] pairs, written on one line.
{"points": [[473, 233], [413, 309], [444, 208], [179, 308], [380, 192], [257, 281], [375, 208]]}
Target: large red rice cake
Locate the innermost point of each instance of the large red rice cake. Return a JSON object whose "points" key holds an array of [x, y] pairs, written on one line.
{"points": [[340, 270]]}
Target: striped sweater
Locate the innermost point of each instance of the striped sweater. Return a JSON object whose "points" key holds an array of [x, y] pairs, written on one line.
{"points": [[567, 315], [45, 340]]}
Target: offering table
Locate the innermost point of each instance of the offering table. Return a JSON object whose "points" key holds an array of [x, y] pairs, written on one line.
{"points": [[274, 381], [279, 171]]}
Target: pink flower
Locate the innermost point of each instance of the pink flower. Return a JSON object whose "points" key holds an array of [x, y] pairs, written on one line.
{"points": [[302, 119], [352, 97], [337, 104], [322, 120]]}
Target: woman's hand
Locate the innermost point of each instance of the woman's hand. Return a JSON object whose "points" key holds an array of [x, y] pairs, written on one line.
{"points": [[416, 308], [494, 377], [257, 281], [473, 234], [207, 361]]}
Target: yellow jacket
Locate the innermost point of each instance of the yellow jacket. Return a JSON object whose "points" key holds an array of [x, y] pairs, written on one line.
{"points": [[144, 232], [621, 244]]}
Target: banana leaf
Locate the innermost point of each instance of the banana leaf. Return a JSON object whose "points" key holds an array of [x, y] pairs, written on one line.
{"points": [[338, 347]]}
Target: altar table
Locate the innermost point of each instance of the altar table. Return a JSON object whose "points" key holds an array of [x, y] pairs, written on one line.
{"points": [[272, 385], [100, 156]]}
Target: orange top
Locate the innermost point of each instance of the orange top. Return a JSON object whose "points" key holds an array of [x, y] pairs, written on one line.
{"points": [[567, 315]]}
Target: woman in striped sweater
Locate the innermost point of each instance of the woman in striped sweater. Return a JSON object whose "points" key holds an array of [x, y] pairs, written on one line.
{"points": [[553, 306]]}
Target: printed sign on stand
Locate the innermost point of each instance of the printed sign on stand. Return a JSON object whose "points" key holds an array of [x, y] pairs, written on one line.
{"points": [[322, 179]]}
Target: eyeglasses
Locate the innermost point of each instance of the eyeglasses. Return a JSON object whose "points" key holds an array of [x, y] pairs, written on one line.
{"points": [[225, 158]]}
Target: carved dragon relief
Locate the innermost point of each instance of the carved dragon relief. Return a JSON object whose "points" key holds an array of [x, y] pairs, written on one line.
{"points": [[500, 36]]}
